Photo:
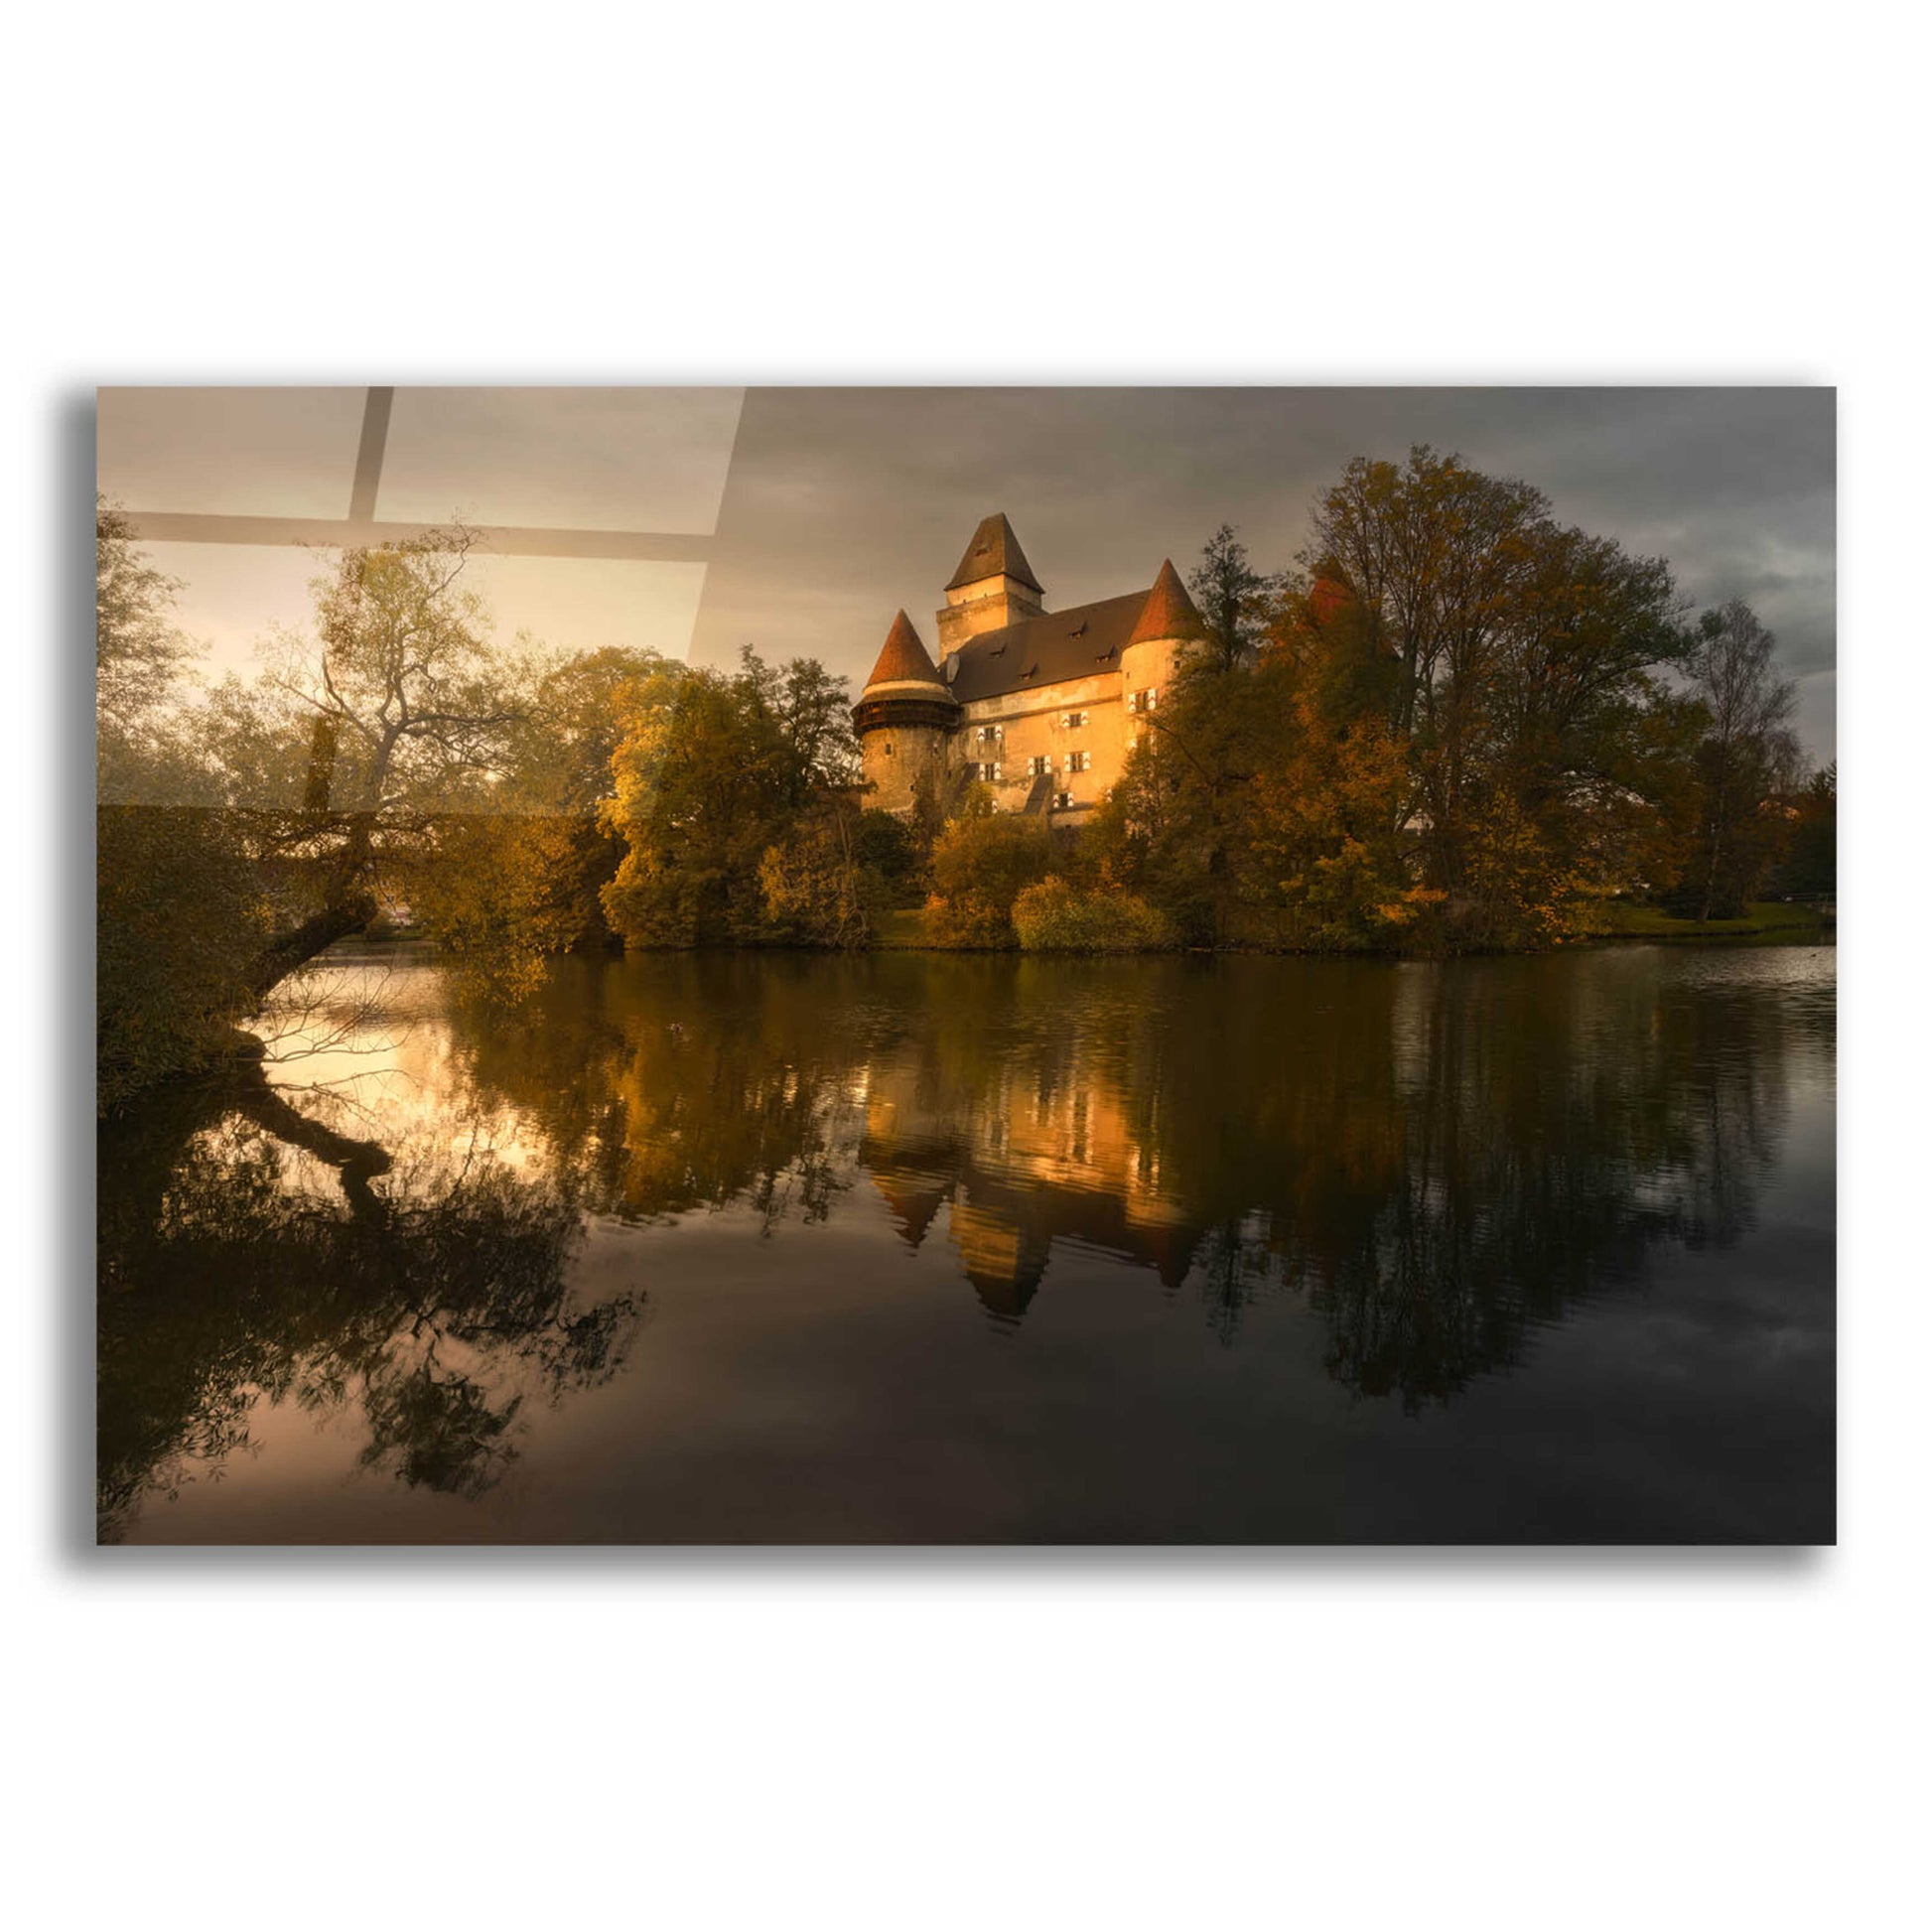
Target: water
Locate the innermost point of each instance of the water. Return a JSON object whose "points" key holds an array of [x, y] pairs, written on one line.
{"points": [[940, 1248]]}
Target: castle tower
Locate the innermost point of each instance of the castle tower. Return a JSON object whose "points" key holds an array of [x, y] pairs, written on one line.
{"points": [[1167, 626], [993, 587], [903, 717]]}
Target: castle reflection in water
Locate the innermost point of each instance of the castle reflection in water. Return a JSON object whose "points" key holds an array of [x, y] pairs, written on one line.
{"points": [[1041, 1154]]}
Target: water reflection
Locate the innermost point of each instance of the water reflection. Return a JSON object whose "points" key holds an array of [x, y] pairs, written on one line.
{"points": [[252, 1251], [1434, 1162]]}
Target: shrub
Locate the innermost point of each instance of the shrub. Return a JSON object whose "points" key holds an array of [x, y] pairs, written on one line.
{"points": [[980, 866], [1054, 916]]}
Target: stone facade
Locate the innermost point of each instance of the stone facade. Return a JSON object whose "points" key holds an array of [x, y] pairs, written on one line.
{"points": [[1041, 707]]}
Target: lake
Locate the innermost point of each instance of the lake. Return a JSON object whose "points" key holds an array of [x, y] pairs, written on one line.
{"points": [[943, 1248]]}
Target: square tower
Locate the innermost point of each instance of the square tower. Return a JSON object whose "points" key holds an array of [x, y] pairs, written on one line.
{"points": [[993, 587]]}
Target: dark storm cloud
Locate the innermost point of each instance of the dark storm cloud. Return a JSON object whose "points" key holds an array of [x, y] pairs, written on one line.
{"points": [[844, 504]]}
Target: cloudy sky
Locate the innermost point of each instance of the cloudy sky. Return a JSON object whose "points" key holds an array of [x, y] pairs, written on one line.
{"points": [[801, 519]]}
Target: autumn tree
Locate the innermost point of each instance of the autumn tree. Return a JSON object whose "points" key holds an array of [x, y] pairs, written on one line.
{"points": [[521, 878], [1528, 675], [1746, 758], [1267, 805], [1234, 599], [1179, 824], [713, 773], [981, 864], [378, 757], [140, 659], [817, 886], [1331, 855], [405, 707]]}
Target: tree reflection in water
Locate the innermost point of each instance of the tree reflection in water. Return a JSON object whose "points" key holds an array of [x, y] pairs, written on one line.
{"points": [[250, 1251], [1437, 1159]]}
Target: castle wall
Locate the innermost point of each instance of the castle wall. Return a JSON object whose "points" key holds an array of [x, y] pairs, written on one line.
{"points": [[1031, 725]]}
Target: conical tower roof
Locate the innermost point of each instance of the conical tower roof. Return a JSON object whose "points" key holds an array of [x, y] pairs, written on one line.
{"points": [[1167, 612], [903, 660], [994, 552]]}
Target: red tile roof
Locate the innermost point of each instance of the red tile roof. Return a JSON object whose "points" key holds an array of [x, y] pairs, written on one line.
{"points": [[903, 660], [994, 552], [1169, 612]]}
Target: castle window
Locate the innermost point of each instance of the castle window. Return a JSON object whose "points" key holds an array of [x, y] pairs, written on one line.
{"points": [[1078, 761], [987, 773], [1063, 801], [1038, 767], [991, 734], [1071, 721], [1144, 700], [888, 747]]}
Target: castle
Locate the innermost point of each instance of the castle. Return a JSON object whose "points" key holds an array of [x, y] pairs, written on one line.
{"points": [[1040, 707]]}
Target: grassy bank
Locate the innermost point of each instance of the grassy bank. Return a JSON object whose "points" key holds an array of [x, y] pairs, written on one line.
{"points": [[1761, 920], [905, 930]]}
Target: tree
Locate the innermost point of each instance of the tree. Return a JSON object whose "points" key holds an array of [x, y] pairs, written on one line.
{"points": [[711, 774], [560, 744], [408, 710], [1179, 823], [1525, 669], [139, 655], [392, 752], [1746, 758], [1430, 551], [1267, 805], [505, 886], [815, 884], [1235, 601], [1810, 866], [981, 865]]}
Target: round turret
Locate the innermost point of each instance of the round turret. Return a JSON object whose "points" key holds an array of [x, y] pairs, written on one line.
{"points": [[905, 718], [1167, 626]]}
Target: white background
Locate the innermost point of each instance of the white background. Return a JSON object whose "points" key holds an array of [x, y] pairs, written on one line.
{"points": [[1424, 192]]}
